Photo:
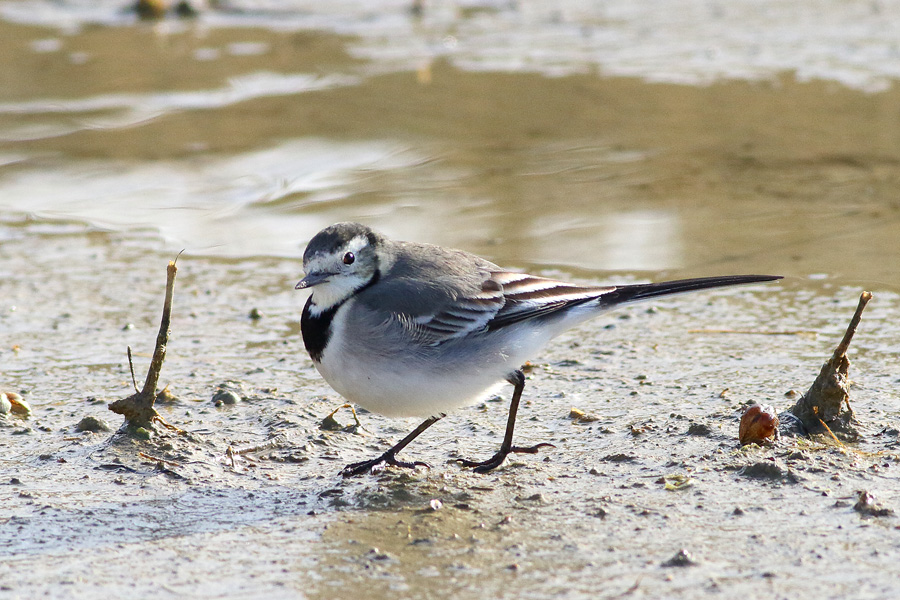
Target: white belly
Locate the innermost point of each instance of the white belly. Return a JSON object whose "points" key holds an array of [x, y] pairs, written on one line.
{"points": [[395, 393], [403, 384]]}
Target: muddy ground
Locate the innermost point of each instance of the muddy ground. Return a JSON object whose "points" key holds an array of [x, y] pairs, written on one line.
{"points": [[612, 141], [87, 516]]}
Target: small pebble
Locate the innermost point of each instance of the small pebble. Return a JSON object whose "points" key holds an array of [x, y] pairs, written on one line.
{"points": [[867, 505], [376, 554], [329, 423], [225, 397], [539, 498], [682, 558], [92, 424], [579, 416], [699, 429]]}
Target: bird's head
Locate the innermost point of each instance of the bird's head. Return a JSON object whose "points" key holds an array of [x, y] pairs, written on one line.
{"points": [[338, 261]]}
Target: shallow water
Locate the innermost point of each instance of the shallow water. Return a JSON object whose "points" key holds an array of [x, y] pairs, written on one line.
{"points": [[245, 140], [603, 143]]}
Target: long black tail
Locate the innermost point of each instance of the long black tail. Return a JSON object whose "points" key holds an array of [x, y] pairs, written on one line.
{"points": [[645, 291]]}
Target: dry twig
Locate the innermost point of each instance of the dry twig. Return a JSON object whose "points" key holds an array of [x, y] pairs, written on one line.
{"points": [[826, 405], [138, 408]]}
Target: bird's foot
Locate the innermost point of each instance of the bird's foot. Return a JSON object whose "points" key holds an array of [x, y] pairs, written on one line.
{"points": [[379, 463], [497, 460]]}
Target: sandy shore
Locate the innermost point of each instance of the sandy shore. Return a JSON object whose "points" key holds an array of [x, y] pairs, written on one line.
{"points": [[88, 515]]}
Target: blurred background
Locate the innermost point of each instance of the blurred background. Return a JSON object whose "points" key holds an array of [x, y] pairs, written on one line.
{"points": [[658, 137]]}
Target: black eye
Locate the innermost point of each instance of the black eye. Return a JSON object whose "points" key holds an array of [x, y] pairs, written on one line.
{"points": [[349, 258]]}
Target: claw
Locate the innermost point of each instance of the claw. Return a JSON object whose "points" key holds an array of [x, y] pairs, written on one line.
{"points": [[497, 460], [377, 464], [388, 458], [531, 449]]}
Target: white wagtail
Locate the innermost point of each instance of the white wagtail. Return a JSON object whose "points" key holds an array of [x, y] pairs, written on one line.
{"points": [[408, 329]]}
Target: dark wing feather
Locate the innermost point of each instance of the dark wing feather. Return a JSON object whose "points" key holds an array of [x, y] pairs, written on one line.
{"points": [[440, 295], [528, 297]]}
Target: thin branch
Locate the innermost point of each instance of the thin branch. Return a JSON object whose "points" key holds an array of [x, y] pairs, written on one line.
{"points": [[162, 339], [841, 349], [131, 366]]}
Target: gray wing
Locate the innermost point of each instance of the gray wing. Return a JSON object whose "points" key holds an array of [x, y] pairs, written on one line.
{"points": [[505, 298], [434, 293], [437, 295]]}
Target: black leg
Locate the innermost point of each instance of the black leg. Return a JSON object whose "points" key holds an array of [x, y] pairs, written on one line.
{"points": [[389, 456], [517, 378]]}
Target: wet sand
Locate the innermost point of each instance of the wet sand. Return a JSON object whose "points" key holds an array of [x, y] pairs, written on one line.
{"points": [[108, 171], [86, 515]]}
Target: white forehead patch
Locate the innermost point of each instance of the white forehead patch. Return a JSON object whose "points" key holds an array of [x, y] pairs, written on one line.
{"points": [[358, 243]]}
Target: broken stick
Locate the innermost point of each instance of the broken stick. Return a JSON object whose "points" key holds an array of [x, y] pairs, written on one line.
{"points": [[138, 408], [826, 405]]}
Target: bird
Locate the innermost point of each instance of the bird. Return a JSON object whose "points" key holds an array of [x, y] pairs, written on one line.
{"points": [[408, 329]]}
